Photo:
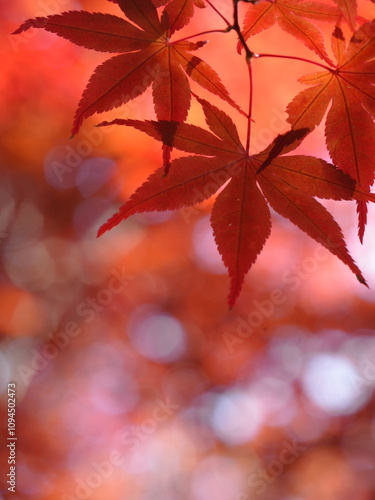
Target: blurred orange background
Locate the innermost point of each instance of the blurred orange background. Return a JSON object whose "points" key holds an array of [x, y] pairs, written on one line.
{"points": [[133, 380]]}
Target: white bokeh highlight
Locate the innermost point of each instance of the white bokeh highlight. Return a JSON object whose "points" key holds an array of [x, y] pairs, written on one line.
{"points": [[330, 381]]}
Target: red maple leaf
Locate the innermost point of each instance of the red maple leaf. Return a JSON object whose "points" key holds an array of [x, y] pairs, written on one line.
{"points": [[293, 17], [349, 11], [179, 12], [147, 57], [350, 127], [241, 218]]}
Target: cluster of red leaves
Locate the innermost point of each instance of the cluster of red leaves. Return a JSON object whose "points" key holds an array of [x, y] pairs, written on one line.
{"points": [[240, 218]]}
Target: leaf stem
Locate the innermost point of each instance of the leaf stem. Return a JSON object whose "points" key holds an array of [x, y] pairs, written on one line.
{"points": [[219, 13], [249, 119], [200, 34], [296, 58], [249, 55], [236, 27]]}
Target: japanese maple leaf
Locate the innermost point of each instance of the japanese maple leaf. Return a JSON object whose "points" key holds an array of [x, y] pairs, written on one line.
{"points": [[147, 57], [179, 11], [292, 16], [349, 127], [349, 11], [241, 218]]}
